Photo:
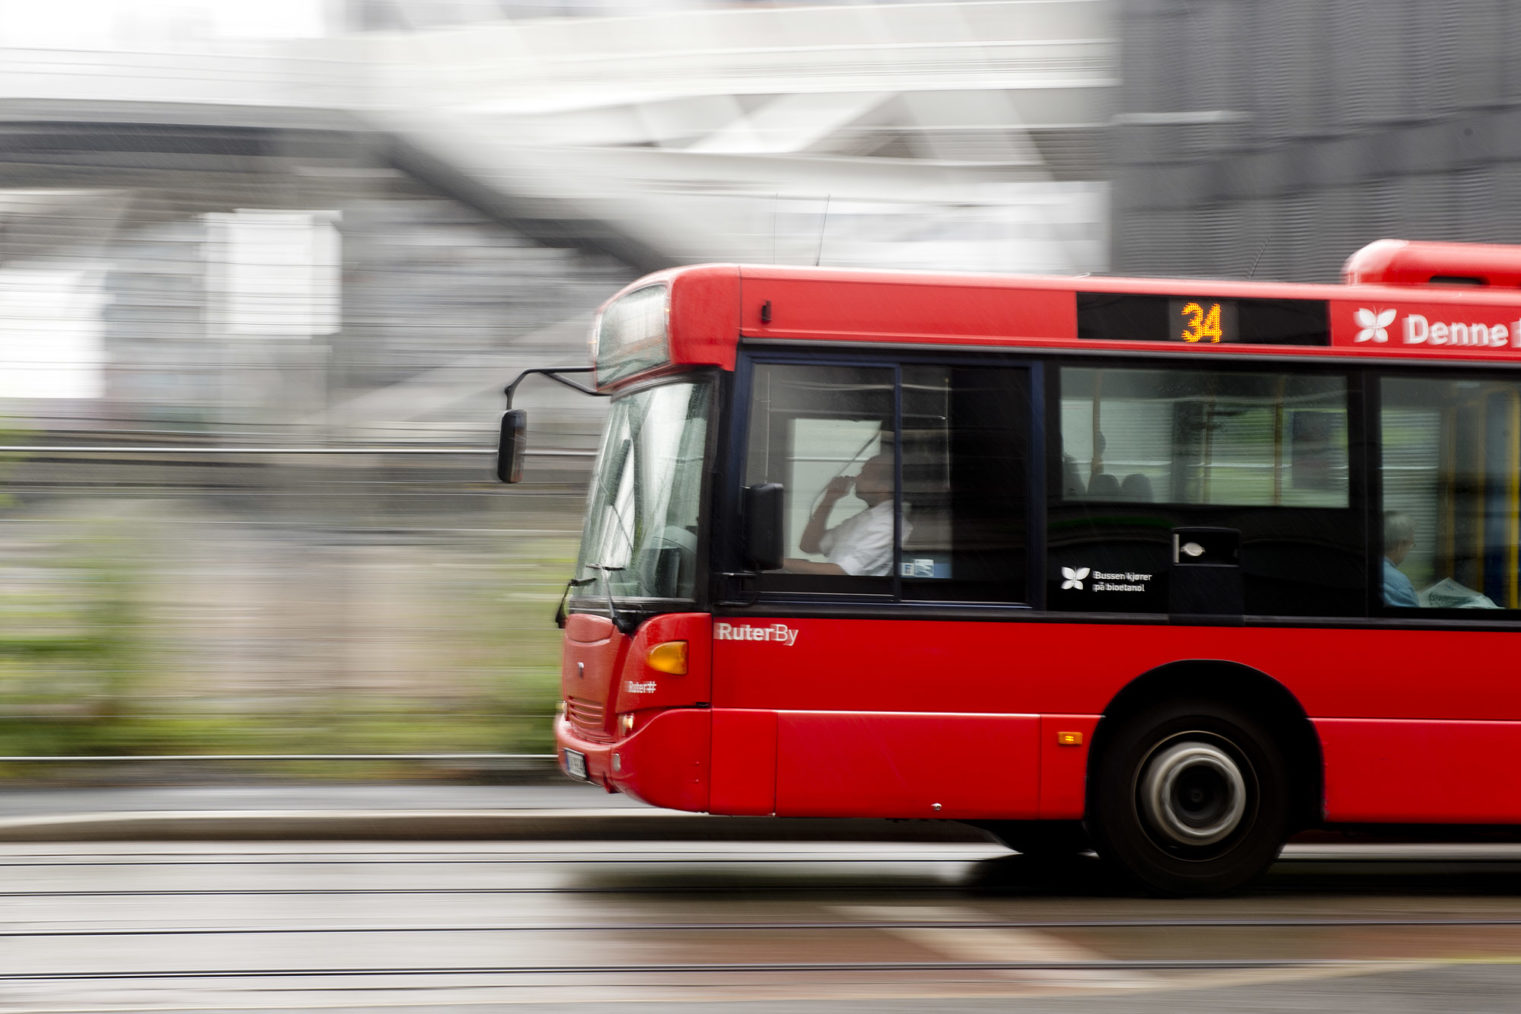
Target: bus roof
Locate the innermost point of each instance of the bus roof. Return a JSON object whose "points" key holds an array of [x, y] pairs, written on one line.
{"points": [[1444, 301]]}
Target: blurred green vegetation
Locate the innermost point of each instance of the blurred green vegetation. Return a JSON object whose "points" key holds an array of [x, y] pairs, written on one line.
{"points": [[67, 669], [93, 663], [8, 459]]}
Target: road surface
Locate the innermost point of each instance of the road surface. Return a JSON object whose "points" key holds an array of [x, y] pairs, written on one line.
{"points": [[704, 926]]}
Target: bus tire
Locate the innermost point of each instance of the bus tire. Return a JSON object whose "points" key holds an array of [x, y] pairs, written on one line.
{"points": [[1191, 799]]}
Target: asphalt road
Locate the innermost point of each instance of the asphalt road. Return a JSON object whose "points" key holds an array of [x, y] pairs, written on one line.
{"points": [[710, 926], [555, 810], [548, 792], [557, 896]]}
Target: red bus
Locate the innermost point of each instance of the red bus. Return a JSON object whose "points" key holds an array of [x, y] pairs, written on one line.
{"points": [[1168, 569]]}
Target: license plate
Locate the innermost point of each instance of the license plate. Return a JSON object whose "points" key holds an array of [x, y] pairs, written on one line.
{"points": [[575, 764]]}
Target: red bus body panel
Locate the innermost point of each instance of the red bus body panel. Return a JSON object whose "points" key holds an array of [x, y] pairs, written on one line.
{"points": [[744, 761], [1064, 741], [1403, 262], [604, 675], [786, 733], [906, 764], [720, 305], [1413, 771]]}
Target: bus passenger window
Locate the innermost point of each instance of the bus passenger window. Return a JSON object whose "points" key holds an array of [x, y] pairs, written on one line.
{"points": [[826, 434], [965, 473], [1142, 453], [1204, 437], [1448, 459], [915, 473]]}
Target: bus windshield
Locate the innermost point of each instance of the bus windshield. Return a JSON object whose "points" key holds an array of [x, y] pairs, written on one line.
{"points": [[640, 537]]}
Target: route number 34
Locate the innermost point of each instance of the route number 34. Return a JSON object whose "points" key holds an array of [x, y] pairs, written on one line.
{"points": [[1203, 324]]}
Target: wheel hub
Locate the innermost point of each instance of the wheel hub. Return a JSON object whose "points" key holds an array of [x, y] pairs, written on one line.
{"points": [[1193, 793]]}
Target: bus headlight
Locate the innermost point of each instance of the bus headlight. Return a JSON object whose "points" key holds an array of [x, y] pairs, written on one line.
{"points": [[626, 724]]}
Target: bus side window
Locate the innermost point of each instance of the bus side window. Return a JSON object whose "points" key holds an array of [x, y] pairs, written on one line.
{"points": [[956, 436], [1147, 451], [1448, 458], [812, 427], [966, 470]]}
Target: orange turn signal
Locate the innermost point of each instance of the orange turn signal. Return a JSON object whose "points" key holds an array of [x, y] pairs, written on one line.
{"points": [[670, 657], [1069, 739]]}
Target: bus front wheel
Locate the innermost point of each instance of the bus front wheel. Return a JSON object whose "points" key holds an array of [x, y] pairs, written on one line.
{"points": [[1192, 799]]}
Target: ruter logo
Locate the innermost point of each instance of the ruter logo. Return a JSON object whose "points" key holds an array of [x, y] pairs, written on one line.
{"points": [[1374, 325], [776, 633]]}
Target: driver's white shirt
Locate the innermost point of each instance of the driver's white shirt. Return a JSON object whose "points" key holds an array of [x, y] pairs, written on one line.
{"points": [[863, 545]]}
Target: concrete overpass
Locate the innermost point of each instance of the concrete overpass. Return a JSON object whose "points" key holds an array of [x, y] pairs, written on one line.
{"points": [[672, 137], [962, 136]]}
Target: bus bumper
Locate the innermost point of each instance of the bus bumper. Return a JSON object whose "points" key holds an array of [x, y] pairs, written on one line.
{"points": [[664, 762]]}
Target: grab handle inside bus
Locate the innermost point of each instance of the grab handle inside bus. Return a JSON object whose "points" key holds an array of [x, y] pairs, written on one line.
{"points": [[511, 445], [763, 525]]}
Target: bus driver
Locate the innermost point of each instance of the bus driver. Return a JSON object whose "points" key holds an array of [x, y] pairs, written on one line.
{"points": [[861, 545]]}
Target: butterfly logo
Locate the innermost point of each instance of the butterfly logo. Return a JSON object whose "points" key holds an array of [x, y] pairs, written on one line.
{"points": [[1074, 577], [1374, 325]]}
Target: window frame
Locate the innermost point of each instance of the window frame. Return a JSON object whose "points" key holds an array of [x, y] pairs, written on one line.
{"points": [[1360, 458], [738, 585], [732, 592]]}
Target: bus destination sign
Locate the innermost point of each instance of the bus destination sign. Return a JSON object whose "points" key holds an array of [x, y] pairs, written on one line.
{"points": [[1202, 320]]}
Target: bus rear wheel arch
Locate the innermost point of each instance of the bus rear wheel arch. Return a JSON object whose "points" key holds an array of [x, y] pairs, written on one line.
{"points": [[1190, 797]]}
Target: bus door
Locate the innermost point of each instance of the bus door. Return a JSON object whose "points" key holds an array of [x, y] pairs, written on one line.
{"points": [[1433, 696], [1451, 468], [906, 488], [1502, 472]]}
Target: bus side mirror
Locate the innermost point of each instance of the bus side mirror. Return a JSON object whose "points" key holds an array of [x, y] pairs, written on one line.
{"points": [[763, 525], [511, 445]]}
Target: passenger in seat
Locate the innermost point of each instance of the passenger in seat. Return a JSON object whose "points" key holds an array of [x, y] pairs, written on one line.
{"points": [[1103, 487], [1399, 537], [1137, 487]]}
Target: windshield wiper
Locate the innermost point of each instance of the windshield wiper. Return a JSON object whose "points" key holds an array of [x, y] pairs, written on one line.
{"points": [[575, 582], [628, 541], [612, 607], [607, 588]]}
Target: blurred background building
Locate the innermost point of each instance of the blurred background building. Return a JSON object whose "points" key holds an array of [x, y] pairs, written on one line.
{"points": [[264, 269], [1277, 137]]}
